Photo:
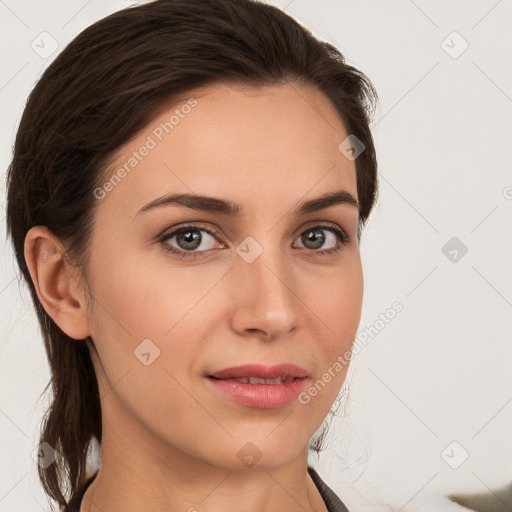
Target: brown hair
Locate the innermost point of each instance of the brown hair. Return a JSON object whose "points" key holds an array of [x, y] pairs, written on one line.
{"points": [[103, 88]]}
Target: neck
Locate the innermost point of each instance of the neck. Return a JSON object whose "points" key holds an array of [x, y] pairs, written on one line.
{"points": [[151, 475]]}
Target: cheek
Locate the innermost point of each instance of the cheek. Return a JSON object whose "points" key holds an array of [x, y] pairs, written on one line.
{"points": [[137, 299], [140, 296], [143, 292], [336, 313], [337, 300]]}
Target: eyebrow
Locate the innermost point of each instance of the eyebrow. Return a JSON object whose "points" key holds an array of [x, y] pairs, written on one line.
{"points": [[232, 209]]}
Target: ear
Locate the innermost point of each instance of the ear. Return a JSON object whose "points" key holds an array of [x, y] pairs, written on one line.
{"points": [[55, 282]]}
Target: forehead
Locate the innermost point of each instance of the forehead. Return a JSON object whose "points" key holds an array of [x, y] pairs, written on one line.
{"points": [[255, 146]]}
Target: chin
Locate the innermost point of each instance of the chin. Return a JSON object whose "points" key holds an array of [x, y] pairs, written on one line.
{"points": [[259, 453]]}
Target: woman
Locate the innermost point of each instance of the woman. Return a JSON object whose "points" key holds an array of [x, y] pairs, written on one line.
{"points": [[186, 198]]}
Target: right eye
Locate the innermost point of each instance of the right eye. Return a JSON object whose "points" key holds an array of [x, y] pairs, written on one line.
{"points": [[189, 239]]}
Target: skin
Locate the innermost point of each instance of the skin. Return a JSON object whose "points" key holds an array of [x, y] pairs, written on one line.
{"points": [[170, 442]]}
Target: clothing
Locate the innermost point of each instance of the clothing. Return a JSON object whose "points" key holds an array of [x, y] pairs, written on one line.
{"points": [[331, 500]]}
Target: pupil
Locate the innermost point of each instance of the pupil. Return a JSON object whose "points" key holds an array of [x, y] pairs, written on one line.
{"points": [[316, 236], [190, 237]]}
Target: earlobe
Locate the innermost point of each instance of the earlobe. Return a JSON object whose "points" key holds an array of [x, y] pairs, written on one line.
{"points": [[53, 280]]}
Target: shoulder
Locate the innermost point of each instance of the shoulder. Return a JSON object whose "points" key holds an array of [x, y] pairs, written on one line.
{"points": [[363, 497]]}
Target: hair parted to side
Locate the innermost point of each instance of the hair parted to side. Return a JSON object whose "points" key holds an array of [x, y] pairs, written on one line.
{"points": [[103, 88]]}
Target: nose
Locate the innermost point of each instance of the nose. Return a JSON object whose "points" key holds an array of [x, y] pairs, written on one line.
{"points": [[263, 297]]}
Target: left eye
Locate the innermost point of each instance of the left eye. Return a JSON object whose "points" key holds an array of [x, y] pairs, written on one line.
{"points": [[317, 238]]}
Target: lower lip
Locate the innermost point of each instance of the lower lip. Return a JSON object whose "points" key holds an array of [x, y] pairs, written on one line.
{"points": [[260, 396]]}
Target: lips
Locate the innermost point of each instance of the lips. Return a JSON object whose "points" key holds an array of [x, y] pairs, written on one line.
{"points": [[260, 386], [261, 374], [259, 380]]}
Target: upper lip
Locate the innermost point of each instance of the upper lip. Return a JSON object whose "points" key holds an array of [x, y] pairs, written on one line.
{"points": [[261, 371]]}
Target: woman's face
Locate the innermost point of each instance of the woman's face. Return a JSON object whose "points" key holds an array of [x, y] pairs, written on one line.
{"points": [[169, 309]]}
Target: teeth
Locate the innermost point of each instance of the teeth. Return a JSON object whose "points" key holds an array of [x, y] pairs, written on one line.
{"points": [[277, 380], [258, 380]]}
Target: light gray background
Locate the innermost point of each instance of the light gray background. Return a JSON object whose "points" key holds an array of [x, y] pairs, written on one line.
{"points": [[440, 371]]}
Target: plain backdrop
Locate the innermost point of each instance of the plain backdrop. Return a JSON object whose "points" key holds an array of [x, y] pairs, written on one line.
{"points": [[430, 401]]}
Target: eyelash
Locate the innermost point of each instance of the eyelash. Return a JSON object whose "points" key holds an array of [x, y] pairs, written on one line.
{"points": [[342, 237]]}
